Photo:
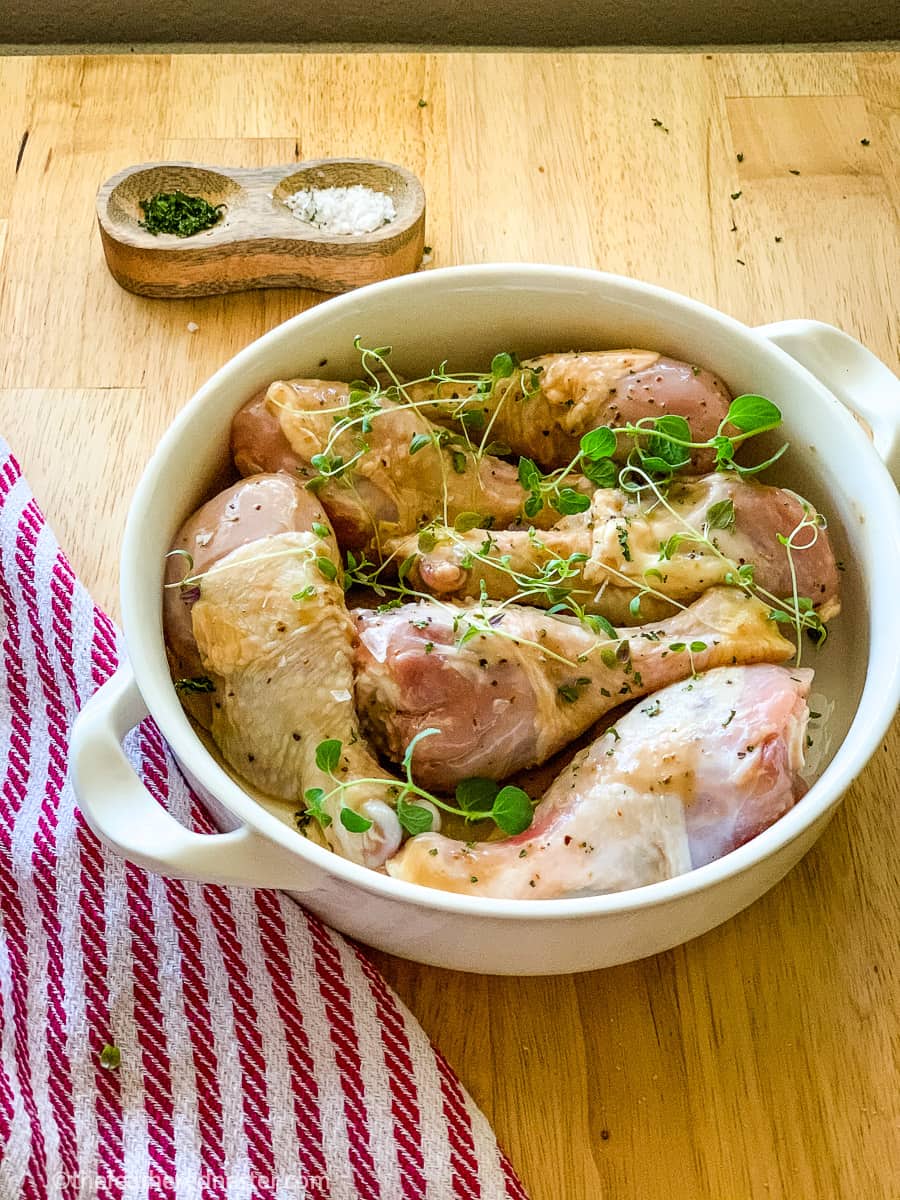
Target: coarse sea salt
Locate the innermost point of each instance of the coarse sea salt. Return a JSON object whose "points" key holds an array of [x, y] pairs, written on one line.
{"points": [[355, 209]]}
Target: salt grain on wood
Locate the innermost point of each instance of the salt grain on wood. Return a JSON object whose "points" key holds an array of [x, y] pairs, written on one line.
{"points": [[355, 209]]}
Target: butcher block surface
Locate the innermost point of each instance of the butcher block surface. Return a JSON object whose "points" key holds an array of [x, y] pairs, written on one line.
{"points": [[756, 1061]]}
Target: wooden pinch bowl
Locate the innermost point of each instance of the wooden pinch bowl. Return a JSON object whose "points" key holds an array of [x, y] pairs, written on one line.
{"points": [[258, 243]]}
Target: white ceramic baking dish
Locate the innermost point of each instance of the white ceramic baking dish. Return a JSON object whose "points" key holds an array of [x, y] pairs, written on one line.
{"points": [[466, 314]]}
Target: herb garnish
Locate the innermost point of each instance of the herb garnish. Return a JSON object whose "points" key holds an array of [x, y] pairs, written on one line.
{"points": [[195, 685], [110, 1057], [508, 807], [178, 213]]}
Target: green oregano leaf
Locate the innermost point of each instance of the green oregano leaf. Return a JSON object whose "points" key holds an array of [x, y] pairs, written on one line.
{"points": [[314, 798], [601, 625], [599, 443], [503, 365], [328, 755], [569, 501], [529, 475], [354, 821], [467, 520], [721, 515], [752, 414], [476, 794], [414, 818], [406, 566], [512, 810]]}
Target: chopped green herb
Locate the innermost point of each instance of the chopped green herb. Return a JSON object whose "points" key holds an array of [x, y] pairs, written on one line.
{"points": [[195, 685], [110, 1057], [178, 213]]}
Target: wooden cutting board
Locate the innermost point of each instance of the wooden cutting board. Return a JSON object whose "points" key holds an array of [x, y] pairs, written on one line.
{"points": [[756, 1061]]}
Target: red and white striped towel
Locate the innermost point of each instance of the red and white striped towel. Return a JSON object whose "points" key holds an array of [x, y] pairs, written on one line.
{"points": [[262, 1055]]}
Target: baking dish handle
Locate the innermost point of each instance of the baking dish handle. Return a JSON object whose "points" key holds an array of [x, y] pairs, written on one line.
{"points": [[123, 813], [850, 372]]}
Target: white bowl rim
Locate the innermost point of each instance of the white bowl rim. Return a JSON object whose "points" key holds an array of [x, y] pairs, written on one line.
{"points": [[863, 736]]}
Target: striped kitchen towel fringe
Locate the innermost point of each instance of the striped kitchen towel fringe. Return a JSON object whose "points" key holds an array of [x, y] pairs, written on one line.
{"points": [[259, 1053]]}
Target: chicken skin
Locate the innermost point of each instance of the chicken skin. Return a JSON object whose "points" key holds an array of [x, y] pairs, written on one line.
{"points": [[683, 779], [545, 407], [260, 506], [262, 621], [528, 683], [388, 468], [624, 544]]}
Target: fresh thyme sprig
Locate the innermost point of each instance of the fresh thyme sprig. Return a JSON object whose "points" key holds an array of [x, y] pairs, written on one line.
{"points": [[669, 440], [662, 447], [510, 808], [795, 609], [326, 566], [371, 397]]}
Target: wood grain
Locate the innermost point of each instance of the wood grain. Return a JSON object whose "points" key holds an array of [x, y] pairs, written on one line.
{"points": [[257, 242], [760, 1060]]}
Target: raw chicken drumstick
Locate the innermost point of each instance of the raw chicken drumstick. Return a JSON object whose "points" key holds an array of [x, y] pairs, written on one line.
{"points": [[698, 770], [528, 683], [268, 630], [393, 475], [632, 543], [254, 508], [548, 403]]}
